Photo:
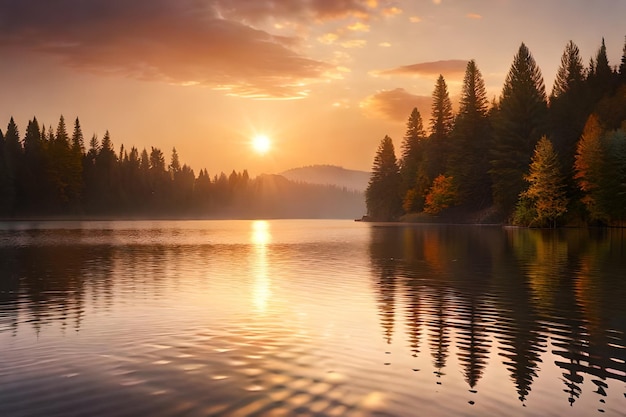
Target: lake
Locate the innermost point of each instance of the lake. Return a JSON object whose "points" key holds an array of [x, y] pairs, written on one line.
{"points": [[310, 317]]}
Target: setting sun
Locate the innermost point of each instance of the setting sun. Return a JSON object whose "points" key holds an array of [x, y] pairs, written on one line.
{"points": [[261, 144]]}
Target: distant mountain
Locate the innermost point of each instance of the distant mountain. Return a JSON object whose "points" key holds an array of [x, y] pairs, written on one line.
{"points": [[274, 196], [329, 175]]}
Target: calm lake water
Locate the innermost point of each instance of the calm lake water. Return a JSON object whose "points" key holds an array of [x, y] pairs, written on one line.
{"points": [[327, 318]]}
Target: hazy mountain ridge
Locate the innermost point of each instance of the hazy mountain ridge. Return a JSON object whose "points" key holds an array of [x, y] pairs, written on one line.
{"points": [[329, 175], [274, 196]]}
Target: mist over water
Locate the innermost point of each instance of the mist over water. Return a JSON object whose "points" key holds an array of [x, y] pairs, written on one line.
{"points": [[314, 317]]}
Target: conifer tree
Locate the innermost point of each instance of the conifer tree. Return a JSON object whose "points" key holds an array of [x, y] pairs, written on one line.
{"points": [[520, 122], [174, 163], [441, 123], [545, 195], [34, 172], [412, 168], [601, 79], [78, 141], [442, 119], [569, 105], [570, 74], [468, 161], [382, 196], [12, 148], [4, 181], [12, 158]]}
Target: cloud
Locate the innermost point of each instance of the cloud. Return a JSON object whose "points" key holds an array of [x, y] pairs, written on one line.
{"points": [[474, 16], [359, 27], [354, 43], [392, 11], [396, 105], [177, 41], [304, 10], [415, 19], [328, 38], [451, 68]]}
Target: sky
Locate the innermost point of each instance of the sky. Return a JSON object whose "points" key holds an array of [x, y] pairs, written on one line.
{"points": [[325, 80]]}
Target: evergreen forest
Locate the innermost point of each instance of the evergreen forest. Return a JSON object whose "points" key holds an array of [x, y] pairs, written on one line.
{"points": [[525, 158], [50, 173]]}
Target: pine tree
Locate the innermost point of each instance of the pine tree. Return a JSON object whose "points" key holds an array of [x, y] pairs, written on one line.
{"points": [[545, 194], [441, 124], [569, 104], [570, 74], [12, 158], [520, 122], [442, 119], [78, 141], [412, 163], [5, 204], [12, 148], [33, 183], [601, 79], [382, 196], [174, 163], [468, 162]]}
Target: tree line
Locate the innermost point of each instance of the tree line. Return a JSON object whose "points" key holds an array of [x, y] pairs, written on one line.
{"points": [[49, 172], [525, 158]]}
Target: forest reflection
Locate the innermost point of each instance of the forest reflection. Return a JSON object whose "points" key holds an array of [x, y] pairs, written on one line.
{"points": [[519, 292]]}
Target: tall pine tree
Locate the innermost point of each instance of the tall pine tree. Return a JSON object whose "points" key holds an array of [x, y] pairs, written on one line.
{"points": [[382, 196], [520, 122], [569, 104], [468, 161], [412, 168], [441, 123]]}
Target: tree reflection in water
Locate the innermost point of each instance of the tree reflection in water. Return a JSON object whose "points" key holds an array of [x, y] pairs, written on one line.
{"points": [[514, 290]]}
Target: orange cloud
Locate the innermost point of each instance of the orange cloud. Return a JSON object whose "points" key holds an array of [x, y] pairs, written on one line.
{"points": [[359, 27], [176, 41], [415, 19], [396, 105], [474, 16], [255, 10], [451, 68], [392, 11], [354, 43]]}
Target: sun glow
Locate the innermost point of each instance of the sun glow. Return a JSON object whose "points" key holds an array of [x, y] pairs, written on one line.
{"points": [[261, 144]]}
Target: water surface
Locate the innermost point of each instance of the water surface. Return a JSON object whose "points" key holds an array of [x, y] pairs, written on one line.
{"points": [[315, 317]]}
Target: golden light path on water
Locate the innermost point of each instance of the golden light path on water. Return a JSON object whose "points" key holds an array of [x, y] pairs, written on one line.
{"points": [[260, 238]]}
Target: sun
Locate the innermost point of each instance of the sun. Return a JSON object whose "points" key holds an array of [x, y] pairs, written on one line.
{"points": [[261, 144]]}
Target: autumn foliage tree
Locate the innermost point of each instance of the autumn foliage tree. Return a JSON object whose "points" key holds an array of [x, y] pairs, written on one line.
{"points": [[442, 195], [600, 170], [545, 200]]}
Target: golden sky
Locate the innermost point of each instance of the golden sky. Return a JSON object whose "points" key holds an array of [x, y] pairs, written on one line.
{"points": [[324, 79]]}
